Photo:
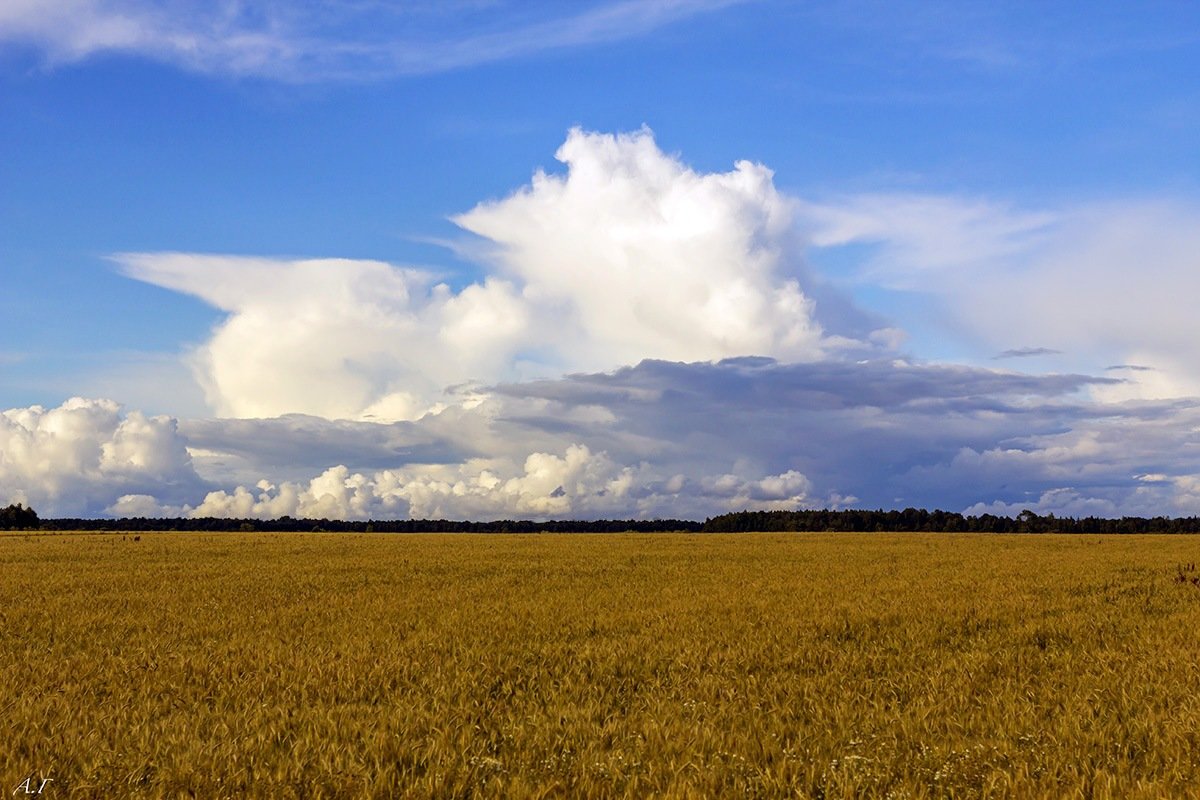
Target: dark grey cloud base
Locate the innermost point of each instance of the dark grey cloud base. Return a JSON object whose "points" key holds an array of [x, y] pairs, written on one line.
{"points": [[871, 434], [659, 439]]}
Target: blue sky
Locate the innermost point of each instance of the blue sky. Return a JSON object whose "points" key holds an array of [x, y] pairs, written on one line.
{"points": [[214, 213]]}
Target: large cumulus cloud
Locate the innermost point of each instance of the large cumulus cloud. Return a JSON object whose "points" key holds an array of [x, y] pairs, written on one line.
{"points": [[628, 255], [637, 256]]}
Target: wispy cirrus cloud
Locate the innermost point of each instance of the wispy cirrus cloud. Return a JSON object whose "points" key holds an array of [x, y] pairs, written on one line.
{"points": [[321, 40], [1099, 283]]}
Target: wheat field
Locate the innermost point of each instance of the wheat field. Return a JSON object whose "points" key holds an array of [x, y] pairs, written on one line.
{"points": [[750, 665]]}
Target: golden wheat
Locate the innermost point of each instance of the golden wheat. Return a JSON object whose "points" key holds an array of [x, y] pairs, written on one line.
{"points": [[790, 665]]}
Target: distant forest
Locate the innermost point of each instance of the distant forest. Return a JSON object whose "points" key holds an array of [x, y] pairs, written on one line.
{"points": [[18, 517]]}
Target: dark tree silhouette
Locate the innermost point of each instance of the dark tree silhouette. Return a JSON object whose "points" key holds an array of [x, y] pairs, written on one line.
{"points": [[17, 517], [857, 520]]}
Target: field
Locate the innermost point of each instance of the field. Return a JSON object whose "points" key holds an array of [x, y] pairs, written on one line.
{"points": [[782, 665]]}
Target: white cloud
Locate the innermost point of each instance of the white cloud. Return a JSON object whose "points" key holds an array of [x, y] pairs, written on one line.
{"points": [[926, 235], [74, 458], [628, 255], [337, 338], [322, 39], [1062, 502], [638, 256], [1100, 284], [577, 483], [205, 37], [787, 491], [1185, 498]]}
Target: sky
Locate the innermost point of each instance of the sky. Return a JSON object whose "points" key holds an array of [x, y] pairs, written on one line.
{"points": [[484, 259]]}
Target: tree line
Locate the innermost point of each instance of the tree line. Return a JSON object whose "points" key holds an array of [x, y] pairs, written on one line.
{"points": [[919, 519], [293, 524], [20, 517]]}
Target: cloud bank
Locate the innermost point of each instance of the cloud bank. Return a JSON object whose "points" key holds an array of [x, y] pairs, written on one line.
{"points": [[661, 439]]}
